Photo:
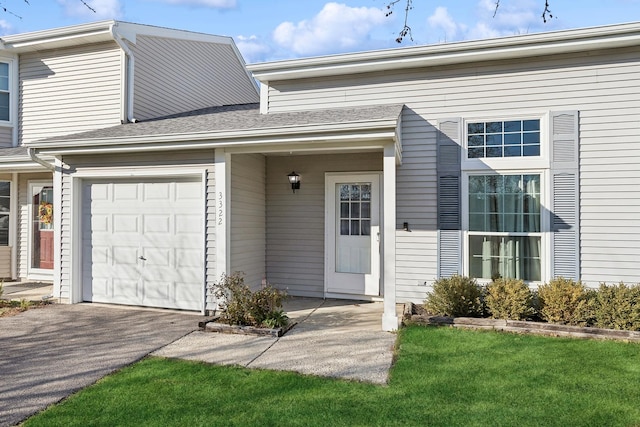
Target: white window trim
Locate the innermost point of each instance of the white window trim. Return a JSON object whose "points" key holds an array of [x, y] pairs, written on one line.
{"points": [[13, 97], [500, 163]]}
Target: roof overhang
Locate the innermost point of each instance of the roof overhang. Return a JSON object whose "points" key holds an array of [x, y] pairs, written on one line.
{"points": [[531, 45], [76, 35], [362, 135]]}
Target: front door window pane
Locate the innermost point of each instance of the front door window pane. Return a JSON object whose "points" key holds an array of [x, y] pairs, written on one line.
{"points": [[355, 215]]}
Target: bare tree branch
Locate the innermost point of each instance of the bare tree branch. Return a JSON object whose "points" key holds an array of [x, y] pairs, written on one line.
{"points": [[406, 29], [546, 12], [5, 10]]}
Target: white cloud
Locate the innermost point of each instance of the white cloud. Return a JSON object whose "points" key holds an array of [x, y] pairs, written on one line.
{"points": [[252, 48], [442, 21], [336, 28], [104, 9], [511, 17], [217, 4], [5, 27]]}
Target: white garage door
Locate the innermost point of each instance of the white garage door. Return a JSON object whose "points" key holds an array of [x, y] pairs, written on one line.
{"points": [[143, 243]]}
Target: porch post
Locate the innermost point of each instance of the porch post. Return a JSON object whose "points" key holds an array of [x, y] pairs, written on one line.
{"points": [[389, 318], [222, 211], [57, 230]]}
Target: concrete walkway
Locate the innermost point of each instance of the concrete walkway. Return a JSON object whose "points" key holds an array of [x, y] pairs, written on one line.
{"points": [[332, 338]]}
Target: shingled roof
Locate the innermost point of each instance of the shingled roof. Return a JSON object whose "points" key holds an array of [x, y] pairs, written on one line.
{"points": [[245, 117]]}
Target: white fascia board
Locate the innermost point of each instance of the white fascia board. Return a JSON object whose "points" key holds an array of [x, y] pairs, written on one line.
{"points": [[607, 37], [370, 137], [59, 37], [20, 165], [130, 30]]}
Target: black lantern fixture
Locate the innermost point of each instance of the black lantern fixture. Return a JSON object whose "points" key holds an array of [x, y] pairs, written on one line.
{"points": [[294, 180]]}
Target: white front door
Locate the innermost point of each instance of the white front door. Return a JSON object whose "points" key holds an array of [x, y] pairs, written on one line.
{"points": [[352, 249]]}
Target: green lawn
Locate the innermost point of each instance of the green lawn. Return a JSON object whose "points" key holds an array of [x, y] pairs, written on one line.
{"points": [[442, 377]]}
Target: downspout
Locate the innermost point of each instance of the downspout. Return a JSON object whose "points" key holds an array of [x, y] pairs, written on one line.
{"points": [[128, 117], [35, 158]]}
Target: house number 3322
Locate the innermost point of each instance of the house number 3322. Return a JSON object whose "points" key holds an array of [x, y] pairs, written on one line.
{"points": [[220, 207]]}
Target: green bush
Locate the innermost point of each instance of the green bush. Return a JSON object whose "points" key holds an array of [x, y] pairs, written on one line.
{"points": [[455, 296], [509, 299], [566, 302], [618, 307], [244, 307]]}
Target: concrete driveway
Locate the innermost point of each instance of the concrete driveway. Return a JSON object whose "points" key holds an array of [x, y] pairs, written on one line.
{"points": [[48, 354]]}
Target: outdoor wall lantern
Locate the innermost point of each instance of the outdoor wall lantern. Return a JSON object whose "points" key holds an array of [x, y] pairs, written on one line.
{"points": [[294, 180]]}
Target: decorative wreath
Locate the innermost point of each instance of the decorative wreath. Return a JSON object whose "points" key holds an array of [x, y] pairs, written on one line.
{"points": [[45, 212]]}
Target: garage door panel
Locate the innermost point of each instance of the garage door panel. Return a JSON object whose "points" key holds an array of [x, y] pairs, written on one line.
{"points": [[156, 224], [187, 293], [188, 258], [188, 191], [125, 192], [188, 224], [162, 222], [125, 224], [157, 257], [157, 191], [125, 290]]}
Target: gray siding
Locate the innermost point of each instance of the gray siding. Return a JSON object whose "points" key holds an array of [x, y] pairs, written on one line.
{"points": [[69, 90], [603, 85], [173, 76], [295, 222], [248, 213]]}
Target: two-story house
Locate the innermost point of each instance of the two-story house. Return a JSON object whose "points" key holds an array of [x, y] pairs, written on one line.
{"points": [[86, 77], [514, 157]]}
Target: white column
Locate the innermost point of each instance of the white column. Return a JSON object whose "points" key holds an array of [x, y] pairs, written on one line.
{"points": [[389, 318], [222, 211], [57, 230]]}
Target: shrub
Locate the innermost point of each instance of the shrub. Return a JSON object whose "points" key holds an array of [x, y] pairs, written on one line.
{"points": [[618, 307], [455, 296], [566, 302], [509, 299], [244, 307]]}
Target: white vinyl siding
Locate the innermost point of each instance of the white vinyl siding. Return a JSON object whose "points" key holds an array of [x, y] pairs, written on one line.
{"points": [[69, 90], [248, 209], [603, 85], [173, 76], [295, 222], [210, 245]]}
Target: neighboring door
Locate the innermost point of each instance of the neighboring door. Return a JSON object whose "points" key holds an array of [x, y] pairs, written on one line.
{"points": [[143, 243], [41, 230], [352, 245]]}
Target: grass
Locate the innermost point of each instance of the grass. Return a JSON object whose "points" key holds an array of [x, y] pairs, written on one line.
{"points": [[442, 376]]}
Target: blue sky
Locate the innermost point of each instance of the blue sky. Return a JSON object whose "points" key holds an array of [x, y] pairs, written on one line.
{"points": [[278, 29]]}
